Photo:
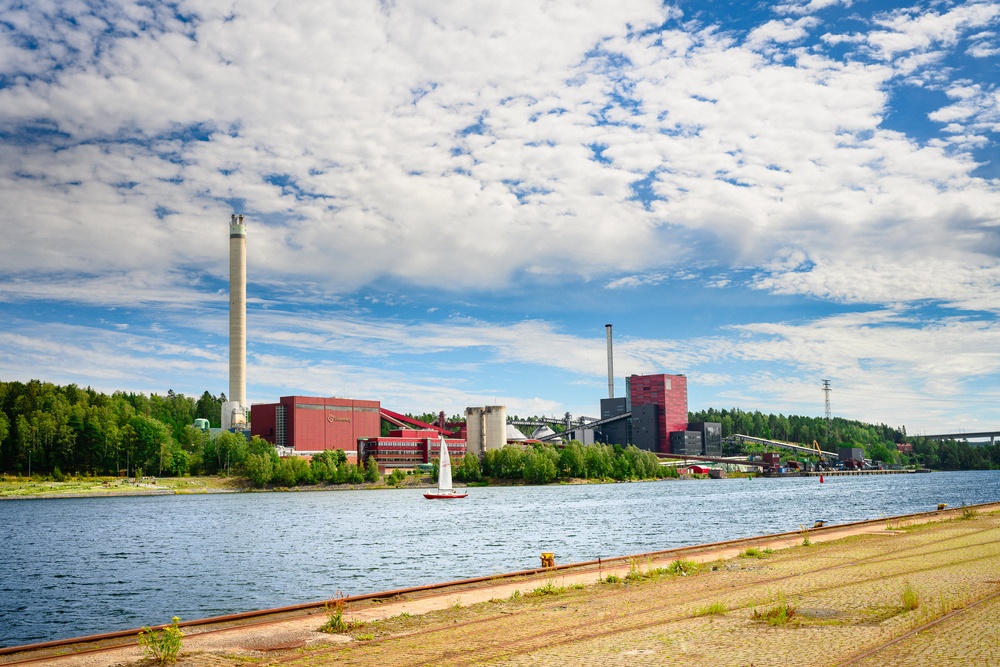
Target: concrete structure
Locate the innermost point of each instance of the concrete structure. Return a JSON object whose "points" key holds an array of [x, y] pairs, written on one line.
{"points": [[514, 435], [309, 425], [685, 442], [711, 437], [487, 428], [654, 407], [618, 430], [611, 364], [407, 448], [581, 434], [234, 410]]}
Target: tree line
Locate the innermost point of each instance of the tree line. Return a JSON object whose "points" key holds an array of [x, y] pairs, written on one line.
{"points": [[48, 427], [878, 440], [45, 428]]}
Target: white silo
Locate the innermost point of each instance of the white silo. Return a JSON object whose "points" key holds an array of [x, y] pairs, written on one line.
{"points": [[486, 428]]}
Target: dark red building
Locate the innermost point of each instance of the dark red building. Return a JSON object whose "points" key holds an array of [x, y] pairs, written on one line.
{"points": [[310, 425], [406, 448], [659, 406]]}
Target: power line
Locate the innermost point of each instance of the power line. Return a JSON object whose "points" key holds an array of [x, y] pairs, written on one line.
{"points": [[829, 417]]}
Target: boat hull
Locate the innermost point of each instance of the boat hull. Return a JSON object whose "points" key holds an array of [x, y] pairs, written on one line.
{"points": [[444, 496]]}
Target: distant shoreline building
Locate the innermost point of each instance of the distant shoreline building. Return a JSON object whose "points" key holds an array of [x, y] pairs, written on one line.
{"points": [[309, 425]]}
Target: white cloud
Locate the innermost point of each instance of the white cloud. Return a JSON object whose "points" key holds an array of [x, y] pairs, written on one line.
{"points": [[800, 7], [479, 148], [785, 31], [361, 157], [915, 29]]}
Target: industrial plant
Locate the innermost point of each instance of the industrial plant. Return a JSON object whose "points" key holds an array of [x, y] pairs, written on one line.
{"points": [[653, 414]]}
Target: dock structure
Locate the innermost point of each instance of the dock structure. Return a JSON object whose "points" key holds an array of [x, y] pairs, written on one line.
{"points": [[840, 473], [785, 445]]}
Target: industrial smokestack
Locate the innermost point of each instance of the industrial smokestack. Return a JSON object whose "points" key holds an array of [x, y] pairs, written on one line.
{"points": [[234, 410], [611, 365]]}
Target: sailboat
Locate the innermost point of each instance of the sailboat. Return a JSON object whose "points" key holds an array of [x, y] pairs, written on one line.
{"points": [[444, 489]]}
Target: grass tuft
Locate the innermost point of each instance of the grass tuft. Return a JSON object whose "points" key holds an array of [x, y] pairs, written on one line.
{"points": [[335, 623], [714, 609], [162, 647], [911, 599], [778, 615], [682, 568], [548, 589]]}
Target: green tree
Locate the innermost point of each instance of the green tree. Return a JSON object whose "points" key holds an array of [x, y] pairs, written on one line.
{"points": [[147, 440], [371, 470], [538, 467], [291, 471], [572, 461], [469, 470], [230, 449]]}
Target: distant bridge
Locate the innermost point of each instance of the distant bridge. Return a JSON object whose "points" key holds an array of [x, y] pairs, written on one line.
{"points": [[711, 459], [992, 435]]}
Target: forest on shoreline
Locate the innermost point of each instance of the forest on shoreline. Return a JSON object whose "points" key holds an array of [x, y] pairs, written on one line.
{"points": [[57, 430]]}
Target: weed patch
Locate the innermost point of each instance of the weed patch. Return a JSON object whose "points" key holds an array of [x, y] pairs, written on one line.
{"points": [[335, 623], [162, 647], [548, 589], [911, 599], [683, 568], [714, 609], [778, 615]]}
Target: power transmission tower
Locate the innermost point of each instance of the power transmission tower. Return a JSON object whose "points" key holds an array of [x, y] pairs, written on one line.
{"points": [[829, 415]]}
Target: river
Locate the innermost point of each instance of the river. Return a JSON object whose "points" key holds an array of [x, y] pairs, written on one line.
{"points": [[72, 567]]}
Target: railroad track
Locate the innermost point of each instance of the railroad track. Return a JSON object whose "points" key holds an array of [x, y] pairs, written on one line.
{"points": [[479, 646]]}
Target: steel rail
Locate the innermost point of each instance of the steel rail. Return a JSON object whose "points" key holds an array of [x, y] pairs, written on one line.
{"points": [[648, 617]]}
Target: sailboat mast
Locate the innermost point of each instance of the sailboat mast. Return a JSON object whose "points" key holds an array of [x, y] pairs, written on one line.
{"points": [[444, 476]]}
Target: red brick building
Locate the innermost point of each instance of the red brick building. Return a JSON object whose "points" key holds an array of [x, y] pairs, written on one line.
{"points": [[659, 406], [310, 425]]}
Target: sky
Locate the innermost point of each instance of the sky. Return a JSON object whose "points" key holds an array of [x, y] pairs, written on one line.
{"points": [[446, 201]]}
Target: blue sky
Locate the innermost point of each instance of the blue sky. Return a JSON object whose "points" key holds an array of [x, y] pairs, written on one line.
{"points": [[447, 201]]}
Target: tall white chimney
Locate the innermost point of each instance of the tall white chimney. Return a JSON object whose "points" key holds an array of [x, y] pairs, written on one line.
{"points": [[234, 410], [611, 365]]}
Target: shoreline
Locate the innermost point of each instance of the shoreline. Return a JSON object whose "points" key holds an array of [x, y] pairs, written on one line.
{"points": [[170, 490]]}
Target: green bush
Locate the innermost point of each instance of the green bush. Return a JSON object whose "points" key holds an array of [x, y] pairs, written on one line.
{"points": [[259, 469], [163, 646], [371, 470], [911, 599]]}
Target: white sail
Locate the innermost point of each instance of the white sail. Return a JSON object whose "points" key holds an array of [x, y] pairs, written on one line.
{"points": [[444, 472]]}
